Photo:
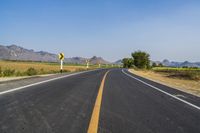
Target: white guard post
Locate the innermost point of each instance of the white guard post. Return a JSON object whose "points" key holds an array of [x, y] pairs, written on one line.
{"points": [[61, 66]]}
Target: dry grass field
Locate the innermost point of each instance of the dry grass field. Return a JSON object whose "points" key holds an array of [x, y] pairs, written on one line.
{"points": [[16, 68], [184, 84]]}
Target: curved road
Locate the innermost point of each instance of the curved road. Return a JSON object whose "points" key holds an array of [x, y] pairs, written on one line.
{"points": [[128, 105]]}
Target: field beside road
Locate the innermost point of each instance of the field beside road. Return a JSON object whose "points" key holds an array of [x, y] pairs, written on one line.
{"points": [[22, 68], [185, 79], [181, 73]]}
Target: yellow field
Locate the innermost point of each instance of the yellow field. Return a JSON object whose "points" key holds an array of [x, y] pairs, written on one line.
{"points": [[41, 68]]}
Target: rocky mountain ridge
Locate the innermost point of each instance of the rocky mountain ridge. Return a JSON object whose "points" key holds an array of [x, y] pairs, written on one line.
{"points": [[14, 52]]}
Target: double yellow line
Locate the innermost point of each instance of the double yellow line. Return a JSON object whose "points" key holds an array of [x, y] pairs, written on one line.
{"points": [[93, 126]]}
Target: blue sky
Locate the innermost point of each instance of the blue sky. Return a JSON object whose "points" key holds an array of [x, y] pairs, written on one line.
{"points": [[167, 29]]}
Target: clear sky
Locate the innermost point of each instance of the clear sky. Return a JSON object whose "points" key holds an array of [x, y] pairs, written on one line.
{"points": [[167, 29]]}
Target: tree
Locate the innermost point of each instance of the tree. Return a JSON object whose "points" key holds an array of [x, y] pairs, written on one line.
{"points": [[127, 62], [154, 65], [141, 59], [160, 65]]}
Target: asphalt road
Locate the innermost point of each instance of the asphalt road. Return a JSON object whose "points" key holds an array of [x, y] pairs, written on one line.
{"points": [[128, 105]]}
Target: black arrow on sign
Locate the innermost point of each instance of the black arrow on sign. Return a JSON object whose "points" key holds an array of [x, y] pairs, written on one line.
{"points": [[61, 56]]}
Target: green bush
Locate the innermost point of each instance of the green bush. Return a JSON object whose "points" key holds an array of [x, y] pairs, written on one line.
{"points": [[8, 72], [31, 71], [141, 60], [127, 62]]}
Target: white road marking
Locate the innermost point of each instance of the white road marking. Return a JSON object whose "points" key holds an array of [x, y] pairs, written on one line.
{"points": [[177, 98], [19, 88], [178, 95]]}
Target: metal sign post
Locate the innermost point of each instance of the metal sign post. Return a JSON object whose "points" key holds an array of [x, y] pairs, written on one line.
{"points": [[61, 57], [87, 62], [61, 66]]}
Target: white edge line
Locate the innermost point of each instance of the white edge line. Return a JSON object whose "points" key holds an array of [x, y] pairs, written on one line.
{"points": [[177, 98], [19, 88], [175, 88]]}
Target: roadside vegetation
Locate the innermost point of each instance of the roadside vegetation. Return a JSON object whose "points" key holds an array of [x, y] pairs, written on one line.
{"points": [[22, 68], [141, 61], [10, 68], [182, 73], [182, 83], [183, 78]]}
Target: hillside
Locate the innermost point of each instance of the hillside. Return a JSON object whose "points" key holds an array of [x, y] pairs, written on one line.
{"points": [[180, 64], [14, 52]]}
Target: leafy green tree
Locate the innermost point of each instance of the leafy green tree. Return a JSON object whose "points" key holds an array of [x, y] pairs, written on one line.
{"points": [[141, 59], [160, 65], [127, 62], [154, 65]]}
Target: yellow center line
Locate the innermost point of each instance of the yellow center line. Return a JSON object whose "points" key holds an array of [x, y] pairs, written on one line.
{"points": [[93, 126]]}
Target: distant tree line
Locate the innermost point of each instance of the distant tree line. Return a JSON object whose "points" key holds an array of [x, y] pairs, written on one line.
{"points": [[157, 65]]}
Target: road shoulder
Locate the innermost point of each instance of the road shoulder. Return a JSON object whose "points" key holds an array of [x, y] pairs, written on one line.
{"points": [[187, 86], [23, 83]]}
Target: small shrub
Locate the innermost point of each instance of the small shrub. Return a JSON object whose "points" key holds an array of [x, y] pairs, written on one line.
{"points": [[18, 73], [8, 72], [66, 71], [31, 71], [185, 67], [53, 71], [42, 71], [80, 69]]}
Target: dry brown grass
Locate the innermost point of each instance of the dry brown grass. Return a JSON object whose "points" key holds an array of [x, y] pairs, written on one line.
{"points": [[190, 86], [41, 68]]}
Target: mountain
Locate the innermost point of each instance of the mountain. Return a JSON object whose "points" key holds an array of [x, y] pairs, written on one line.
{"points": [[179, 64], [76, 60], [14, 52], [93, 60], [118, 62], [98, 60]]}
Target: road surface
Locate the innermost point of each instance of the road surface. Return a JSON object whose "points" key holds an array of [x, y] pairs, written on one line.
{"points": [[118, 102]]}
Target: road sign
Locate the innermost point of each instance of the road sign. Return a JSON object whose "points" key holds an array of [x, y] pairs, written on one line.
{"points": [[61, 56]]}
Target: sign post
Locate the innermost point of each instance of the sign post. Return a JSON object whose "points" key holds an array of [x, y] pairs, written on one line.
{"points": [[61, 57], [61, 66], [87, 62], [99, 62]]}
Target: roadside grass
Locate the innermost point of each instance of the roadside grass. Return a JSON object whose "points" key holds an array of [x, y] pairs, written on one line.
{"points": [[185, 79], [22, 68], [182, 73]]}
